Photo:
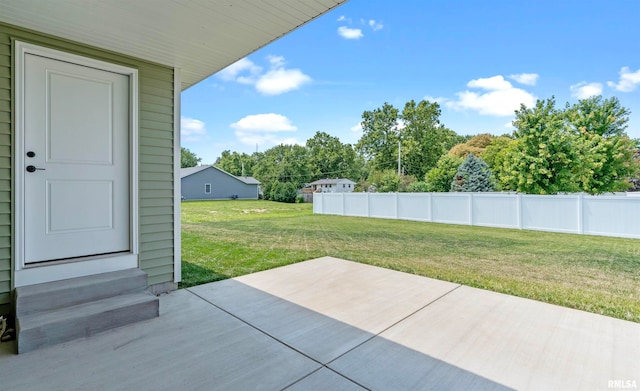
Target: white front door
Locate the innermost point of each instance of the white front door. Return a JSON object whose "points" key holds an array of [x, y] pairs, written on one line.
{"points": [[76, 161]]}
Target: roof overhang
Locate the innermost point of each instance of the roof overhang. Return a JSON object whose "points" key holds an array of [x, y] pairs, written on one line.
{"points": [[199, 37]]}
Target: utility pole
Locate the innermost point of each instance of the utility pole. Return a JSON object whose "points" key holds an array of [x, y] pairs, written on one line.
{"points": [[242, 168], [399, 144]]}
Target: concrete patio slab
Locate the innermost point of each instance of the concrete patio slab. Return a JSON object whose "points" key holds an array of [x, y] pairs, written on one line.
{"points": [[478, 339], [325, 380], [192, 346], [334, 324], [326, 306]]}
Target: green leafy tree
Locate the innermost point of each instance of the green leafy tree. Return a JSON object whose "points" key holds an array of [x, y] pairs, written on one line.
{"points": [[424, 138], [473, 175], [188, 158], [284, 163], [598, 116], [495, 155], [544, 159], [329, 158], [581, 148], [234, 162], [606, 153], [475, 145], [385, 181], [439, 178], [379, 142]]}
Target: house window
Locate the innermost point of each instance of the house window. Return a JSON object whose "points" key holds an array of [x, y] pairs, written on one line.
{"points": [[207, 188], [343, 186]]}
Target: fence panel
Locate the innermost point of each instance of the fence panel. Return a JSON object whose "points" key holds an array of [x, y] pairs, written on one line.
{"points": [[608, 216], [332, 203], [583, 214], [451, 208], [558, 213], [383, 205], [495, 210], [414, 206], [356, 204]]}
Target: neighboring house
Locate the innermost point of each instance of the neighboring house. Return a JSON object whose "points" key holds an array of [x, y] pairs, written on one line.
{"points": [[212, 183], [340, 185], [90, 148]]}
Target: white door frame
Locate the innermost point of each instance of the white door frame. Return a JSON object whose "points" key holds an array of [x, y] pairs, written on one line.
{"points": [[28, 274]]}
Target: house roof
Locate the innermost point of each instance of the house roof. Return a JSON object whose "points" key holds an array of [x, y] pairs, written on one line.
{"points": [[249, 180], [200, 37], [332, 181], [185, 172]]}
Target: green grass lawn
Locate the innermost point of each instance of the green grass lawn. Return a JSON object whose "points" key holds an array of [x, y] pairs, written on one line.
{"points": [[223, 239]]}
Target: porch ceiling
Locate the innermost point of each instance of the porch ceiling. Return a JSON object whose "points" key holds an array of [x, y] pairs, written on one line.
{"points": [[200, 37]]}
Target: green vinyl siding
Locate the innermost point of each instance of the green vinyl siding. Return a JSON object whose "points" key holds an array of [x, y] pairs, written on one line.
{"points": [[155, 162], [5, 168]]}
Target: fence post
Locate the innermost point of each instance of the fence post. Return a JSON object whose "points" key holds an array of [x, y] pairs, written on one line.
{"points": [[430, 198], [519, 210], [580, 213], [343, 202], [397, 201], [470, 195]]}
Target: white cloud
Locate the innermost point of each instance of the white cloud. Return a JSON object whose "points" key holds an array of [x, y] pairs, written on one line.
{"points": [[243, 71], [276, 80], [349, 33], [501, 98], [192, 129], [270, 122], [280, 80], [276, 61], [529, 79], [432, 99], [584, 90], [490, 83], [509, 125], [343, 18], [357, 127], [628, 80], [375, 26], [264, 130]]}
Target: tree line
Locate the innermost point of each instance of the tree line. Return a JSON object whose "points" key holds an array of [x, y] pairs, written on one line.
{"points": [[582, 147]]}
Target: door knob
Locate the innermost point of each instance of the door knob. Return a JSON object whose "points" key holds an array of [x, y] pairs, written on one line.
{"points": [[33, 169], [31, 154]]}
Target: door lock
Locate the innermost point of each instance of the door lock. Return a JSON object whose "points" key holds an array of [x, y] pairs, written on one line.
{"points": [[34, 168]]}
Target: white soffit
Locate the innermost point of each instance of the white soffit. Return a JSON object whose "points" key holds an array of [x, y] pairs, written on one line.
{"points": [[200, 37]]}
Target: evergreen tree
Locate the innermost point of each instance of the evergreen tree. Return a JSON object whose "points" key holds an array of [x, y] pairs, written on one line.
{"points": [[473, 175]]}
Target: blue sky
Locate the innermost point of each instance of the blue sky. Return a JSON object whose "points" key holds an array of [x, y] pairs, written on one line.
{"points": [[478, 59]]}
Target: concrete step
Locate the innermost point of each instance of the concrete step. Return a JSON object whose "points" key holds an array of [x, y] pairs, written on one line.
{"points": [[47, 328], [60, 294]]}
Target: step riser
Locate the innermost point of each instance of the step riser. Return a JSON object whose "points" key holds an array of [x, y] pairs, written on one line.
{"points": [[46, 297], [79, 327]]}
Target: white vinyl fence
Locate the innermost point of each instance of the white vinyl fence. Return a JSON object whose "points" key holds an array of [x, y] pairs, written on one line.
{"points": [[615, 215]]}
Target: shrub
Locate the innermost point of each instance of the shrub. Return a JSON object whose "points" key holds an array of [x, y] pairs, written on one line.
{"points": [[439, 178], [417, 187]]}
